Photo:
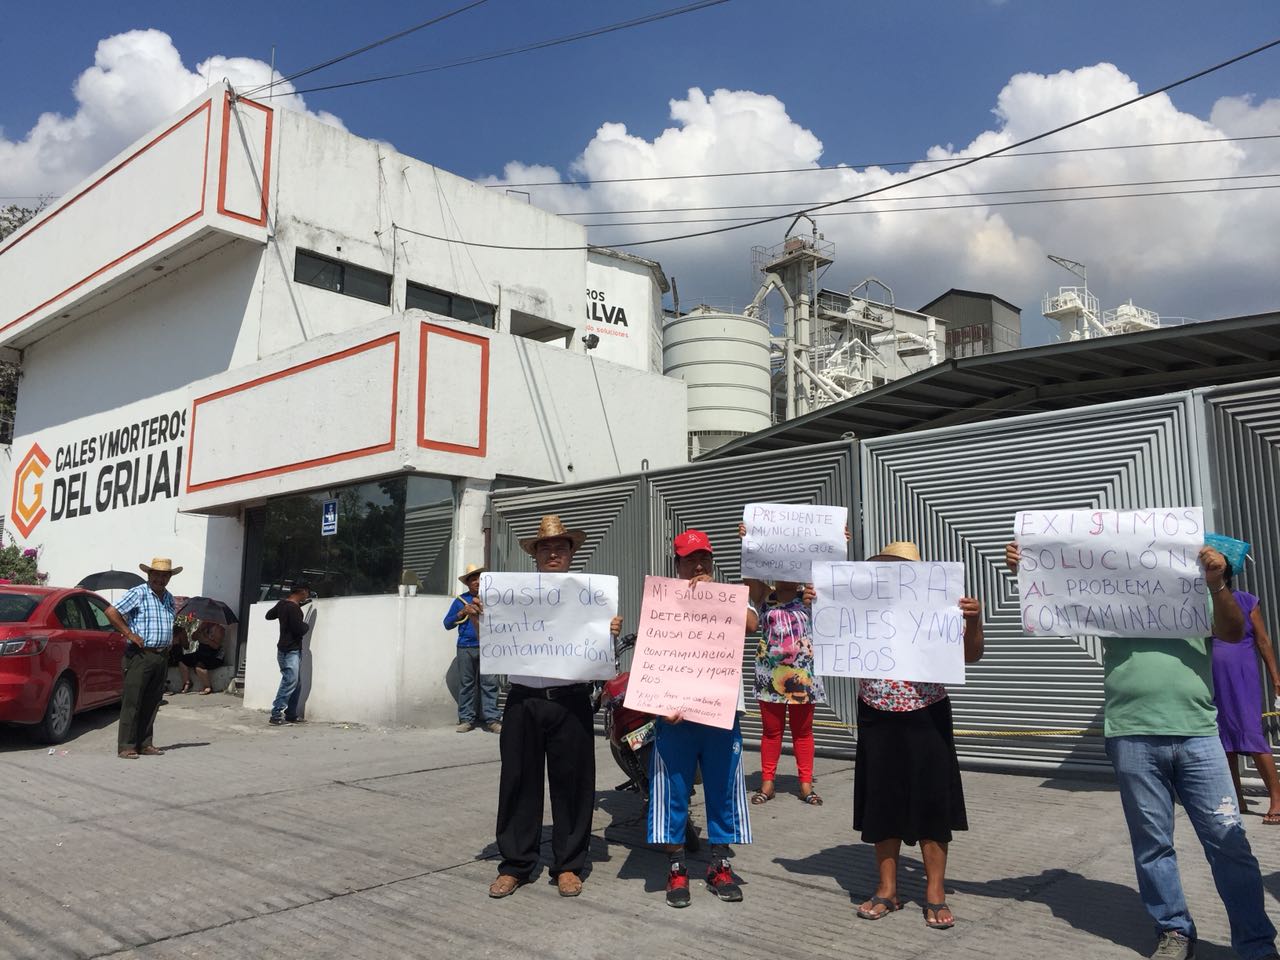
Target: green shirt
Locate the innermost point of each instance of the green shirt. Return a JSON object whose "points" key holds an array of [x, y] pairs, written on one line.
{"points": [[1159, 687]]}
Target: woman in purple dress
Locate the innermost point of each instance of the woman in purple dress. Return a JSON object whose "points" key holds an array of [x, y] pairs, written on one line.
{"points": [[1237, 691]]}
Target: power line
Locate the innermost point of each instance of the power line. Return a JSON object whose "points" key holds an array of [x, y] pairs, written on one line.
{"points": [[853, 167], [512, 51], [369, 46], [950, 206], [870, 193], [924, 196]]}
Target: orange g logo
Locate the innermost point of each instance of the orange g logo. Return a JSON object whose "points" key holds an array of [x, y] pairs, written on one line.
{"points": [[28, 491]]}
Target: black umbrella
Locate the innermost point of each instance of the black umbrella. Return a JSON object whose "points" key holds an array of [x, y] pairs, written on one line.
{"points": [[111, 580], [206, 608]]}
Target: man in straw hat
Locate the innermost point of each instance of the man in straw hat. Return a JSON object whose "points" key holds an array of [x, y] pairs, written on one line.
{"points": [[547, 723], [463, 616], [144, 616]]}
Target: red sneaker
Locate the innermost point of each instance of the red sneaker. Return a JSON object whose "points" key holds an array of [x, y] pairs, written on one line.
{"points": [[720, 881], [678, 886]]}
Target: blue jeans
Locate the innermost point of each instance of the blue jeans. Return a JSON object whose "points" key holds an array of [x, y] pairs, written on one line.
{"points": [[286, 703], [1151, 771], [469, 677]]}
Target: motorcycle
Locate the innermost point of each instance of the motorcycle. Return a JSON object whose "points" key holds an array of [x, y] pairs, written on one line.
{"points": [[630, 734]]}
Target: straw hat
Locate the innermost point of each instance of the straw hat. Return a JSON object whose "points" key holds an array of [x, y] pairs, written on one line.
{"points": [[472, 569], [899, 550], [160, 565], [552, 529]]}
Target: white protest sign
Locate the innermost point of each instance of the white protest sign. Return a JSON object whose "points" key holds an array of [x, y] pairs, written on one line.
{"points": [[548, 624], [783, 540], [892, 620], [1112, 573]]}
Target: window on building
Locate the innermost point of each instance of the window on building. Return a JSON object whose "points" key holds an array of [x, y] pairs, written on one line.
{"points": [[384, 527], [346, 278], [418, 297]]}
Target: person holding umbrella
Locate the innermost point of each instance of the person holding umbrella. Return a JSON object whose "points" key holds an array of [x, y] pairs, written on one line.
{"points": [[214, 617]]}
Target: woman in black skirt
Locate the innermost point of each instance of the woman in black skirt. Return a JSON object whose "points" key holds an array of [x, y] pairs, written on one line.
{"points": [[906, 784]]}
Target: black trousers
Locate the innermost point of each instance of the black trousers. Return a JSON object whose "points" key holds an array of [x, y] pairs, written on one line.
{"points": [[555, 735], [144, 675]]}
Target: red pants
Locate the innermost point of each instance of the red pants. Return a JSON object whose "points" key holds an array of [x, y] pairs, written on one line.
{"points": [[774, 717]]}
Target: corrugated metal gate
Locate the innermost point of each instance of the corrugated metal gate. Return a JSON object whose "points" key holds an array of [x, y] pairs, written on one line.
{"points": [[630, 523], [1243, 425], [955, 492]]}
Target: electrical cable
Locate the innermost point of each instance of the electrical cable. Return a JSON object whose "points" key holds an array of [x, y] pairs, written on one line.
{"points": [[886, 163], [512, 51], [949, 206], [367, 47], [924, 196], [893, 186]]}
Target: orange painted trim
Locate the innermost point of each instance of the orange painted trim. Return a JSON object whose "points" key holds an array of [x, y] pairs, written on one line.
{"points": [[479, 450], [391, 338], [261, 219], [207, 109]]}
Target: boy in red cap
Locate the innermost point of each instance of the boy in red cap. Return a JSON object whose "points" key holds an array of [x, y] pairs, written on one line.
{"points": [[680, 748]]}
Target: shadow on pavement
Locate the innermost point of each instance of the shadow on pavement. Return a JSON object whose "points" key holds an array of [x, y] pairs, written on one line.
{"points": [[184, 746], [19, 738]]}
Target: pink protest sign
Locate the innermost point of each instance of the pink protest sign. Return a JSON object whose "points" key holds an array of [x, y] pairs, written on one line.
{"points": [[688, 659]]}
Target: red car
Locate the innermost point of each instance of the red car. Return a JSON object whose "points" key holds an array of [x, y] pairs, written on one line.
{"points": [[59, 655]]}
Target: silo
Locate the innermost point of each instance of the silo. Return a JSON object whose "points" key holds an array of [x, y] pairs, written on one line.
{"points": [[723, 358]]}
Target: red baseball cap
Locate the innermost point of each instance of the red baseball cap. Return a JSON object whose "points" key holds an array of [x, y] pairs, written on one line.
{"points": [[691, 541]]}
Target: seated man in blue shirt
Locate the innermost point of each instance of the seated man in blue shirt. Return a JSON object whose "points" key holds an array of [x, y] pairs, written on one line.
{"points": [[144, 616], [463, 615]]}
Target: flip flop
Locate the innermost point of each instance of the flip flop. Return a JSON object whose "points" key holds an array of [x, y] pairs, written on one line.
{"points": [[936, 924], [758, 798], [1271, 819], [890, 906], [206, 691]]}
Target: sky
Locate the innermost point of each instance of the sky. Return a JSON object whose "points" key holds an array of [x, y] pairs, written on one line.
{"points": [[748, 85]]}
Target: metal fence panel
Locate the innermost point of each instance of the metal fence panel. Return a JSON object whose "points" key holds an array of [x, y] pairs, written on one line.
{"points": [[955, 491], [1244, 445]]}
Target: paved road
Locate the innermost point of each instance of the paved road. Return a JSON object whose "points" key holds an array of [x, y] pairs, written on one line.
{"points": [[328, 841]]}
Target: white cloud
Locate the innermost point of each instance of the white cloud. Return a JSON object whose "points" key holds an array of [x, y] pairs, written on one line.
{"points": [[137, 80], [1202, 255]]}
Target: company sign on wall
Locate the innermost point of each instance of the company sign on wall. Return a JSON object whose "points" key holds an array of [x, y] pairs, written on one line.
{"points": [[619, 310], [60, 479]]}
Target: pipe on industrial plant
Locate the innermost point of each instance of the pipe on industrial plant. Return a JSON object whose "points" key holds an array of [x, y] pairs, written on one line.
{"points": [[830, 389]]}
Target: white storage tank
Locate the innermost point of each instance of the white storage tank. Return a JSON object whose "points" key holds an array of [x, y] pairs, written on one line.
{"points": [[723, 358]]}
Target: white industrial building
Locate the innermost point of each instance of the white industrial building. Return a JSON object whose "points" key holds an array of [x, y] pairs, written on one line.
{"points": [[248, 313]]}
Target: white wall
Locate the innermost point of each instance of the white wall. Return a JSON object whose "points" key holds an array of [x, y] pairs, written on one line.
{"points": [[375, 660], [550, 415]]}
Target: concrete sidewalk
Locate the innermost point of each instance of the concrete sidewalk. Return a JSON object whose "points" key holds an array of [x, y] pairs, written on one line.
{"points": [[328, 841]]}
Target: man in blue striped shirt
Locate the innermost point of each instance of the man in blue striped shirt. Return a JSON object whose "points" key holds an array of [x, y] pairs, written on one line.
{"points": [[144, 616]]}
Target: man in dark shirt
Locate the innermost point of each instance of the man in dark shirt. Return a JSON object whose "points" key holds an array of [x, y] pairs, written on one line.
{"points": [[289, 652]]}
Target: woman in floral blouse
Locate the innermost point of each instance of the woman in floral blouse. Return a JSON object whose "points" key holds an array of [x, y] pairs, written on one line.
{"points": [[786, 686], [906, 785]]}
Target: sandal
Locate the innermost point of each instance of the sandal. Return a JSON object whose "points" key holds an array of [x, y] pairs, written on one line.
{"points": [[890, 906], [935, 923], [1271, 819], [811, 798], [760, 797], [206, 691], [186, 688]]}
